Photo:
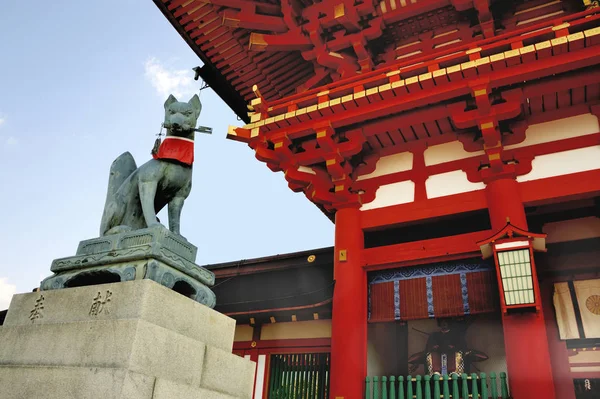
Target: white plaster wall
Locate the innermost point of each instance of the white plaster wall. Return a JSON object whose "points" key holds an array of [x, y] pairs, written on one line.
{"points": [[448, 152], [296, 330], [382, 354], [392, 194], [391, 164], [575, 126], [563, 163], [260, 376], [571, 230], [486, 335], [243, 332], [450, 183]]}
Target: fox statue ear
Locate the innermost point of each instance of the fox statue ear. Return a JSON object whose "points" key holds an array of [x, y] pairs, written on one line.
{"points": [[195, 103], [170, 100]]}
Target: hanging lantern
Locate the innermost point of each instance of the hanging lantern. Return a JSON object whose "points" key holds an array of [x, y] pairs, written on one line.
{"points": [[512, 249]]}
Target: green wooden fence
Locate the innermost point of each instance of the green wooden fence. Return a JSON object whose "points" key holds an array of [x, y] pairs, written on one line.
{"points": [[437, 387], [299, 376]]}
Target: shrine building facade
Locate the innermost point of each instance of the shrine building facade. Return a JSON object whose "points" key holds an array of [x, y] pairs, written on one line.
{"points": [[455, 144]]}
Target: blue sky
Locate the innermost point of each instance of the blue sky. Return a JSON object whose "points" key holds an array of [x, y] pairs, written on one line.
{"points": [[82, 82]]}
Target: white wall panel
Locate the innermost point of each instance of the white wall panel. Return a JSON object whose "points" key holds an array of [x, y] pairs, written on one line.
{"points": [[450, 183], [448, 152], [391, 164], [563, 163], [392, 194], [260, 376], [575, 126]]}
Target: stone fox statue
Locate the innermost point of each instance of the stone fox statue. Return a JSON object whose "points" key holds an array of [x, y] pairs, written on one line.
{"points": [[135, 195]]}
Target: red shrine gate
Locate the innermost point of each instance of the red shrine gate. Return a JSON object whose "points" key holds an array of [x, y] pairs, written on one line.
{"points": [[393, 115]]}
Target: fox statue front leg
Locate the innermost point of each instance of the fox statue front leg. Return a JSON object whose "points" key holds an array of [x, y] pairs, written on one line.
{"points": [[147, 195], [175, 207]]}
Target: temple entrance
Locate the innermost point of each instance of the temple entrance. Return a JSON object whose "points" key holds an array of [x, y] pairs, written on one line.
{"points": [[439, 320], [444, 346]]}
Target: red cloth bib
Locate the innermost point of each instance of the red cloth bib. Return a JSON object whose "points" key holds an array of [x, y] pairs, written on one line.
{"points": [[177, 148]]}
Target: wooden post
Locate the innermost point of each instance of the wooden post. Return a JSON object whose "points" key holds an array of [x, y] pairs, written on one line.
{"points": [[401, 387], [465, 386], [525, 338], [349, 319], [484, 390], [427, 387], [419, 387], [368, 388], [376, 388], [409, 388], [446, 388], [474, 390], [503, 386], [392, 387], [436, 387], [455, 390], [384, 394], [493, 385]]}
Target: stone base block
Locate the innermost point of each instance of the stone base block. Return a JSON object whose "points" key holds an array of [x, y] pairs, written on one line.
{"points": [[153, 253], [165, 389], [135, 340], [140, 299]]}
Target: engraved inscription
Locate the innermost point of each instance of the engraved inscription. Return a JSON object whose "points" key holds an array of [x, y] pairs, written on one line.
{"points": [[37, 311], [99, 304]]}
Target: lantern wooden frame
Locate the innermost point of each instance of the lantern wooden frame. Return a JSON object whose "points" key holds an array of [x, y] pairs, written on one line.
{"points": [[510, 240]]}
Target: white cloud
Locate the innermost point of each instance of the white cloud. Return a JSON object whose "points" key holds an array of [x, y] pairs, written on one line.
{"points": [[10, 141], [165, 80], [2, 120], [6, 293]]}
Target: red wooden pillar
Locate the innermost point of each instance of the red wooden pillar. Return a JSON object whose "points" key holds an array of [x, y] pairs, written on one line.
{"points": [[349, 320], [525, 338]]}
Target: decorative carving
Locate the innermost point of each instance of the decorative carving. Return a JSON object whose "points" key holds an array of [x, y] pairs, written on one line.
{"points": [[136, 240], [75, 262], [95, 247], [128, 274], [99, 304], [167, 280], [593, 304], [37, 311]]}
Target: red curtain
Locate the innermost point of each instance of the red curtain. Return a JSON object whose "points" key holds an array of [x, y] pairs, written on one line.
{"points": [[448, 300], [382, 301], [413, 299], [483, 292], [447, 296]]}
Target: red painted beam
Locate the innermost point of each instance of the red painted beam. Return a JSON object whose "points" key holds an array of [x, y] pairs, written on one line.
{"points": [[504, 77], [561, 188], [536, 192], [436, 207], [382, 257], [305, 343]]}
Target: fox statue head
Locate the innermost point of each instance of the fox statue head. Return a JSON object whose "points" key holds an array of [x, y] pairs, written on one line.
{"points": [[181, 117]]}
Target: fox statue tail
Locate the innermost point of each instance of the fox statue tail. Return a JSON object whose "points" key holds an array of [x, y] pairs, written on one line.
{"points": [[120, 170]]}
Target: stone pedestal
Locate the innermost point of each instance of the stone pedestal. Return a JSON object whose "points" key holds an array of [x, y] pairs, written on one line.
{"points": [[152, 253], [128, 340]]}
